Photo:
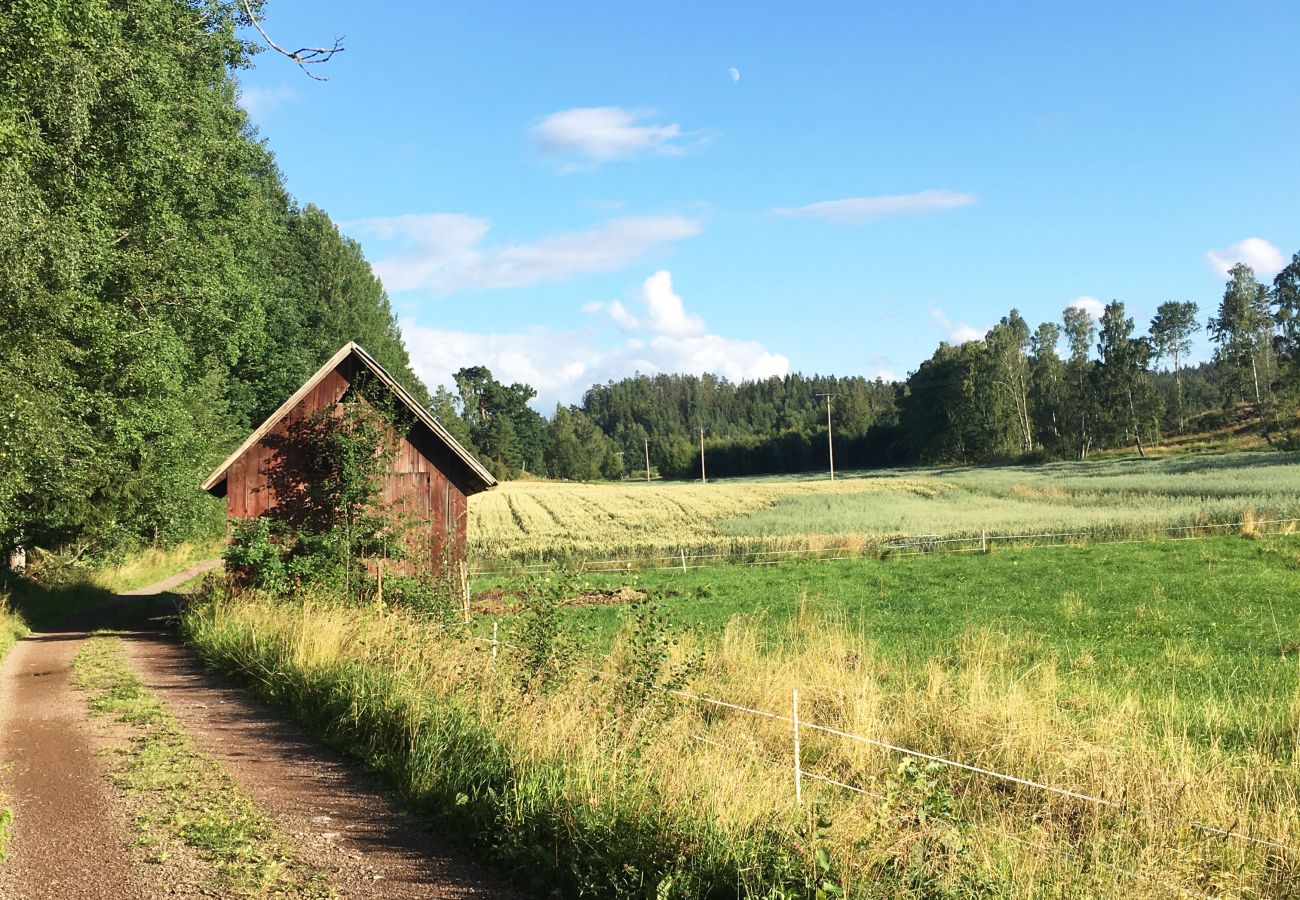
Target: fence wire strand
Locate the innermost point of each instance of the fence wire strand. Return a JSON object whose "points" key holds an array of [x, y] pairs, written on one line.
{"points": [[909, 546], [1050, 849]]}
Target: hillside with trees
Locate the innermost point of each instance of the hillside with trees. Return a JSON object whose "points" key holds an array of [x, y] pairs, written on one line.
{"points": [[160, 290], [1021, 393]]}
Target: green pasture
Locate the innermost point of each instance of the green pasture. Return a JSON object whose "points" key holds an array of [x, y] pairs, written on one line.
{"points": [[1207, 630]]}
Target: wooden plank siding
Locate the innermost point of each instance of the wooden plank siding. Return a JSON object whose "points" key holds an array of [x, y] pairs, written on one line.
{"points": [[426, 489]]}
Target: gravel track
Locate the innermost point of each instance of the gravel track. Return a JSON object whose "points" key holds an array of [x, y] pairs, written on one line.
{"points": [[72, 836]]}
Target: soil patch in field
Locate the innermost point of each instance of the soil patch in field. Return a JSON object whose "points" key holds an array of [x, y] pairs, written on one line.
{"points": [[505, 603]]}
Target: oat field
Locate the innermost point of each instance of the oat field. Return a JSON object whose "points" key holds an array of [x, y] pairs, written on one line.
{"points": [[541, 520], [533, 521]]}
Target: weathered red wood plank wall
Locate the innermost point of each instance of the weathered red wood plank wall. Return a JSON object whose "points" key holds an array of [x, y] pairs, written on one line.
{"points": [[419, 489]]}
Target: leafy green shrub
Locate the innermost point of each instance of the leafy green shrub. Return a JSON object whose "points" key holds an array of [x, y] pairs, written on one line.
{"points": [[547, 653], [254, 558], [329, 518], [645, 664]]}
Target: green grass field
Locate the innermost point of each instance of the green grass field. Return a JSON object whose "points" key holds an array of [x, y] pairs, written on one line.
{"points": [[1208, 629]]}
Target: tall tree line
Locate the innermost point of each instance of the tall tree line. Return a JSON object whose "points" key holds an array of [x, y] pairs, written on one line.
{"points": [[160, 291], [1014, 394], [1058, 390]]}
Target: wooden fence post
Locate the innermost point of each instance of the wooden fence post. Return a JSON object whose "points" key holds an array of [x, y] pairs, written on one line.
{"points": [[798, 771], [464, 584]]}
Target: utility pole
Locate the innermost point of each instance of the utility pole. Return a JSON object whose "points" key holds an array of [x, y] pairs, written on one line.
{"points": [[830, 441], [647, 458], [704, 479]]}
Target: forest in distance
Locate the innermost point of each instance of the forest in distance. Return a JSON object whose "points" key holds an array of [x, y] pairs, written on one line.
{"points": [[1010, 396], [161, 292]]}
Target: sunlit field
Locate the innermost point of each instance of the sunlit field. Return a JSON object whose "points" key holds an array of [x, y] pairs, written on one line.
{"points": [[527, 521], [1155, 681], [1123, 703]]}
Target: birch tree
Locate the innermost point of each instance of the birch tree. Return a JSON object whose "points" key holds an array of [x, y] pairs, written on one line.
{"points": [[1171, 339], [1243, 333]]}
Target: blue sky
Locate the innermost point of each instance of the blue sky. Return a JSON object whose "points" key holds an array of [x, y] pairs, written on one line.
{"points": [[571, 192]]}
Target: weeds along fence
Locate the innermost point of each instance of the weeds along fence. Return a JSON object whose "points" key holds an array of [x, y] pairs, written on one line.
{"points": [[800, 769], [985, 541]]}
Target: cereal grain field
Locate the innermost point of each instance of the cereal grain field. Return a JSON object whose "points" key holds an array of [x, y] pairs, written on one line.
{"points": [[528, 521]]}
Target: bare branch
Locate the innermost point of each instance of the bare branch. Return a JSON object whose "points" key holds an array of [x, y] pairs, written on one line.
{"points": [[303, 56]]}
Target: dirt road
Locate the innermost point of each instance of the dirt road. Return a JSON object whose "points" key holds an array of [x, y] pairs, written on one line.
{"points": [[72, 836]]}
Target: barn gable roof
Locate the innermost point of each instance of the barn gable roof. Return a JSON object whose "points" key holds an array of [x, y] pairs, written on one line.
{"points": [[482, 477]]}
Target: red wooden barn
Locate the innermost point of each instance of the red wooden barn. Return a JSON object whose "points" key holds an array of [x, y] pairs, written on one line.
{"points": [[432, 474]]}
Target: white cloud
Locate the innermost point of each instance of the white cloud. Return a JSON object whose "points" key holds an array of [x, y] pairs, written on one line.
{"points": [[604, 133], [857, 210], [563, 364], [667, 313], [734, 73], [1091, 305], [1255, 252], [258, 101], [957, 332], [616, 312], [886, 375], [445, 252]]}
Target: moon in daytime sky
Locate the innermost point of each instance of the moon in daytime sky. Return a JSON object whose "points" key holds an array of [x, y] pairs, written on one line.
{"points": [[734, 73]]}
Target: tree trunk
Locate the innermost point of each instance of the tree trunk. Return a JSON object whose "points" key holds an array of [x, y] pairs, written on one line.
{"points": [[1137, 429], [1178, 392], [1259, 404]]}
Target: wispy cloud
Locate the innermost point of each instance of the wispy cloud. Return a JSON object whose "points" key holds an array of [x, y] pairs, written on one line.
{"points": [[1255, 252], [858, 210], [662, 336], [447, 253], [258, 101], [599, 134], [957, 332]]}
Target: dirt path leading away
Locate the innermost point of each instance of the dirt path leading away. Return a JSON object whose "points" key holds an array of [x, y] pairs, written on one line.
{"points": [[339, 823], [71, 835]]}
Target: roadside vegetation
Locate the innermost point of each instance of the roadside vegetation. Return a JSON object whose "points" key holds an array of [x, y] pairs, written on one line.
{"points": [[12, 626], [1132, 708], [179, 798]]}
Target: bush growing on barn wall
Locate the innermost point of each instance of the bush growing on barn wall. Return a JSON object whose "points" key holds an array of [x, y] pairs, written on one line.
{"points": [[253, 558], [329, 518]]}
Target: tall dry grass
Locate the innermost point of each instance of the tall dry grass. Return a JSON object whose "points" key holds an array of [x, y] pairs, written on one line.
{"points": [[695, 799], [132, 570], [12, 625]]}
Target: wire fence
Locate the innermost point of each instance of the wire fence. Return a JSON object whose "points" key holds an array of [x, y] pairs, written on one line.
{"points": [[985, 541], [799, 772], [914, 545]]}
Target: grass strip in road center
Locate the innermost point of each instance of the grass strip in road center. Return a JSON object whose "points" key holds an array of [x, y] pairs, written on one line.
{"points": [[179, 797]]}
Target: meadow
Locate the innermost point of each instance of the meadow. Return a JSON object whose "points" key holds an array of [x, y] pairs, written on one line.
{"points": [[629, 733], [546, 521], [1159, 679]]}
